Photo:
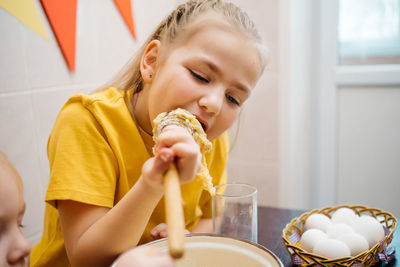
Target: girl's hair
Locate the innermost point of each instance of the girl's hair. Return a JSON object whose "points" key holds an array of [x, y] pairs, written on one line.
{"points": [[6, 163], [171, 27], [3, 158]]}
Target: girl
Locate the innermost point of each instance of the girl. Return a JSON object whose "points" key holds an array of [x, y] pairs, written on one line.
{"points": [[105, 193], [14, 247]]}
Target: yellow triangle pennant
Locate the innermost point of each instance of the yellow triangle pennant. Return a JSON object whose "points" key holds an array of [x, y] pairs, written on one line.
{"points": [[26, 12]]}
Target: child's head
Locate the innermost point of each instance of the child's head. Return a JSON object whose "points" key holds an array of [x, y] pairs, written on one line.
{"points": [[202, 43], [14, 247], [172, 26]]}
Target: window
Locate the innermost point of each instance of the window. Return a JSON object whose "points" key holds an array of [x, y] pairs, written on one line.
{"points": [[369, 32]]}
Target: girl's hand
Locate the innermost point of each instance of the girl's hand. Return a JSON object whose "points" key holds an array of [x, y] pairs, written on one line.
{"points": [[144, 257], [174, 144], [160, 231]]}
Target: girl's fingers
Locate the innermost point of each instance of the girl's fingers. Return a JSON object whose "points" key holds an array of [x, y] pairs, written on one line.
{"points": [[172, 135], [188, 160], [173, 144], [160, 231], [163, 233], [153, 169], [160, 227], [185, 150], [163, 159]]}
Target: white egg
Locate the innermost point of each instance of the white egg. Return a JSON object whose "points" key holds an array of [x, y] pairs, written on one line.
{"points": [[337, 229], [331, 249], [344, 215], [367, 217], [318, 221], [370, 228], [356, 243], [310, 237]]}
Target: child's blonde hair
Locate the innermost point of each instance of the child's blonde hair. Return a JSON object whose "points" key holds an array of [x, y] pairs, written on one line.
{"points": [[5, 163], [172, 26], [3, 158]]}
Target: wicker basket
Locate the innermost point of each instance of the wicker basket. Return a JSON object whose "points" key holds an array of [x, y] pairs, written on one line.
{"points": [[294, 229]]}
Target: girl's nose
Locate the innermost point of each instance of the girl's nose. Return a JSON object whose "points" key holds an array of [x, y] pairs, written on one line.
{"points": [[20, 249], [212, 100]]}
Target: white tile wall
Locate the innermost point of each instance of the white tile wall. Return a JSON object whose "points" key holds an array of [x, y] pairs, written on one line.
{"points": [[35, 82], [13, 74]]}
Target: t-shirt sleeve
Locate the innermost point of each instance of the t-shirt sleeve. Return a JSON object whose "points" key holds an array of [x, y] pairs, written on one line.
{"points": [[83, 167], [217, 168]]}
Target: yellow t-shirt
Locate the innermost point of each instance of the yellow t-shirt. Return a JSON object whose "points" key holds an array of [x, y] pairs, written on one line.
{"points": [[96, 153]]}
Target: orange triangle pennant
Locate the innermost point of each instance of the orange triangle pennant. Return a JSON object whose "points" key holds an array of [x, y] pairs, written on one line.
{"points": [[125, 8], [62, 17]]}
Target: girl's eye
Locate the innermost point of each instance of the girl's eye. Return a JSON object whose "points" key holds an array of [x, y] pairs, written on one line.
{"points": [[199, 77], [20, 225], [232, 100]]}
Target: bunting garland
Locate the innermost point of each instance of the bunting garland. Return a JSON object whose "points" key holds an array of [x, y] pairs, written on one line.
{"points": [[125, 8], [61, 15]]}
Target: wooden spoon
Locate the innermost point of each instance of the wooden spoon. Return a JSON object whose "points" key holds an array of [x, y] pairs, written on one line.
{"points": [[174, 213]]}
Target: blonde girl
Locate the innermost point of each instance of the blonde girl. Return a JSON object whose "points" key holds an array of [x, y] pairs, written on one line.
{"points": [[105, 193]]}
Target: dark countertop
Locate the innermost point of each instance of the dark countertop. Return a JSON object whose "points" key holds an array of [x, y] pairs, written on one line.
{"points": [[271, 222]]}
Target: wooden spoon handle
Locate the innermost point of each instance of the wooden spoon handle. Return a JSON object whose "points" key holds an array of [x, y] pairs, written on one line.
{"points": [[174, 212]]}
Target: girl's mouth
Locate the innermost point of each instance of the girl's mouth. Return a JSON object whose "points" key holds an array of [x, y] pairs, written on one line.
{"points": [[203, 123]]}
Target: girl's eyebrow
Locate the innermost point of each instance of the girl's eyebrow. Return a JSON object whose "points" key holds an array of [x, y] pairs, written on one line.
{"points": [[208, 63]]}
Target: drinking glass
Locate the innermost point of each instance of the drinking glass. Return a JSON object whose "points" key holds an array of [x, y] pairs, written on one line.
{"points": [[235, 211]]}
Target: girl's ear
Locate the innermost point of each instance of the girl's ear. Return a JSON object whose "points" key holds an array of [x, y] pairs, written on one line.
{"points": [[148, 63]]}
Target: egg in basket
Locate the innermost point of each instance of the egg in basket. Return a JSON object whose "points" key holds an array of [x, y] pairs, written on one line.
{"points": [[342, 235]]}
